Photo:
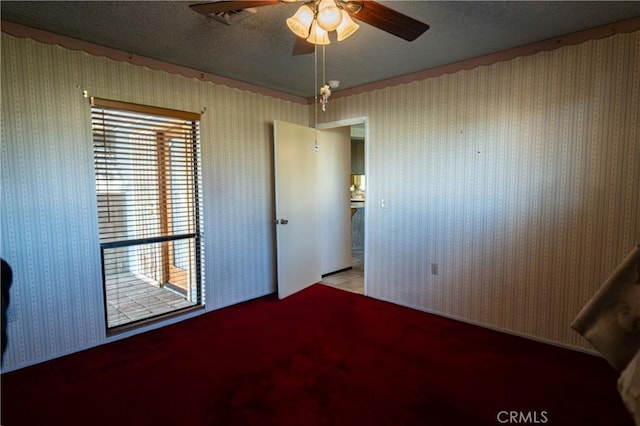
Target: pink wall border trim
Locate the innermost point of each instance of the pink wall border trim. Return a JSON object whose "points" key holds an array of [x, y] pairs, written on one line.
{"points": [[23, 31], [626, 26]]}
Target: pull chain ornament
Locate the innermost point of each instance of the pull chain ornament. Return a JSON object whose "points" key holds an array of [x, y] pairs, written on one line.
{"points": [[325, 92]]}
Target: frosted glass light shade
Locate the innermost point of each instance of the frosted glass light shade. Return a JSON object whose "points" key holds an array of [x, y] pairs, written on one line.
{"points": [[346, 27], [317, 35], [329, 16], [300, 23]]}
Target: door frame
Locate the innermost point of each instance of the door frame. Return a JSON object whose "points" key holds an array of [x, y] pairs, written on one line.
{"points": [[348, 122]]}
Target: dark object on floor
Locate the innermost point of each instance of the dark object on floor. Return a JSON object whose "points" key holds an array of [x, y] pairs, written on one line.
{"points": [[7, 279]]}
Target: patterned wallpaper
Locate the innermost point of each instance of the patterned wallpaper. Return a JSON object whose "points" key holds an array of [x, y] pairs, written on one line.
{"points": [[49, 214], [521, 180]]}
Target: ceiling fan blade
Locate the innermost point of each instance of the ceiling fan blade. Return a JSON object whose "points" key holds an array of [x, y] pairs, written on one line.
{"points": [[386, 19], [228, 6], [302, 47]]}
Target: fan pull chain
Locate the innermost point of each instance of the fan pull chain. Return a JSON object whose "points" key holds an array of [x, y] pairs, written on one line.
{"points": [[325, 90], [315, 96]]}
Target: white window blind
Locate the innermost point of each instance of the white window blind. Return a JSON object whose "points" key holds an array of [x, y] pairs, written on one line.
{"points": [[147, 163]]}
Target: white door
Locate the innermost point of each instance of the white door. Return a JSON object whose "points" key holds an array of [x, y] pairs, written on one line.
{"points": [[297, 224]]}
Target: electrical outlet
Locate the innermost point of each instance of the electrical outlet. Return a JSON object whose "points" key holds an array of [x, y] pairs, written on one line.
{"points": [[434, 269]]}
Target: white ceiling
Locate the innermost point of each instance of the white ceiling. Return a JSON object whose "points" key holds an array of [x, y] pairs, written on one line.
{"points": [[257, 50]]}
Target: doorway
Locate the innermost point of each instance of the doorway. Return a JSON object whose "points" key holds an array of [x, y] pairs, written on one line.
{"points": [[302, 256], [353, 278]]}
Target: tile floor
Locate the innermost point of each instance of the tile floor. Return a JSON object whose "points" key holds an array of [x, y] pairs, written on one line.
{"points": [[352, 279], [132, 299]]}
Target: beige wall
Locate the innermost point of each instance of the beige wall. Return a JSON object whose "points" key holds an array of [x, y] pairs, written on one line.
{"points": [[334, 172], [49, 228], [520, 179]]}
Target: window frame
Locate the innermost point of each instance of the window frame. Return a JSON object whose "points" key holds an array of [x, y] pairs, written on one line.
{"points": [[163, 166]]}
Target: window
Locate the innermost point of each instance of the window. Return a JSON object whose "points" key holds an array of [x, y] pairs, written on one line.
{"points": [[147, 165]]}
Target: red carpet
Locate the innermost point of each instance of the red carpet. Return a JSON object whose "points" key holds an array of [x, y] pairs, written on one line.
{"points": [[320, 357]]}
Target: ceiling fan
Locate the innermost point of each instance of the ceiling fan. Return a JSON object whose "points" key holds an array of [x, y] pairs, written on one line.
{"points": [[367, 11]]}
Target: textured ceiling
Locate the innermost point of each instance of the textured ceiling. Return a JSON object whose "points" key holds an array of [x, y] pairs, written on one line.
{"points": [[257, 50]]}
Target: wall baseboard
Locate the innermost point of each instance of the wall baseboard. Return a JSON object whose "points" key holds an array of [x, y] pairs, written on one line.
{"points": [[494, 328]]}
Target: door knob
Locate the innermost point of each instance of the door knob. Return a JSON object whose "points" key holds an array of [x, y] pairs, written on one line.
{"points": [[284, 221]]}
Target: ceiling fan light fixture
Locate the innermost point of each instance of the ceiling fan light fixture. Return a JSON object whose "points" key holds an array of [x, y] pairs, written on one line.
{"points": [[318, 35], [300, 23], [347, 27], [329, 16]]}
